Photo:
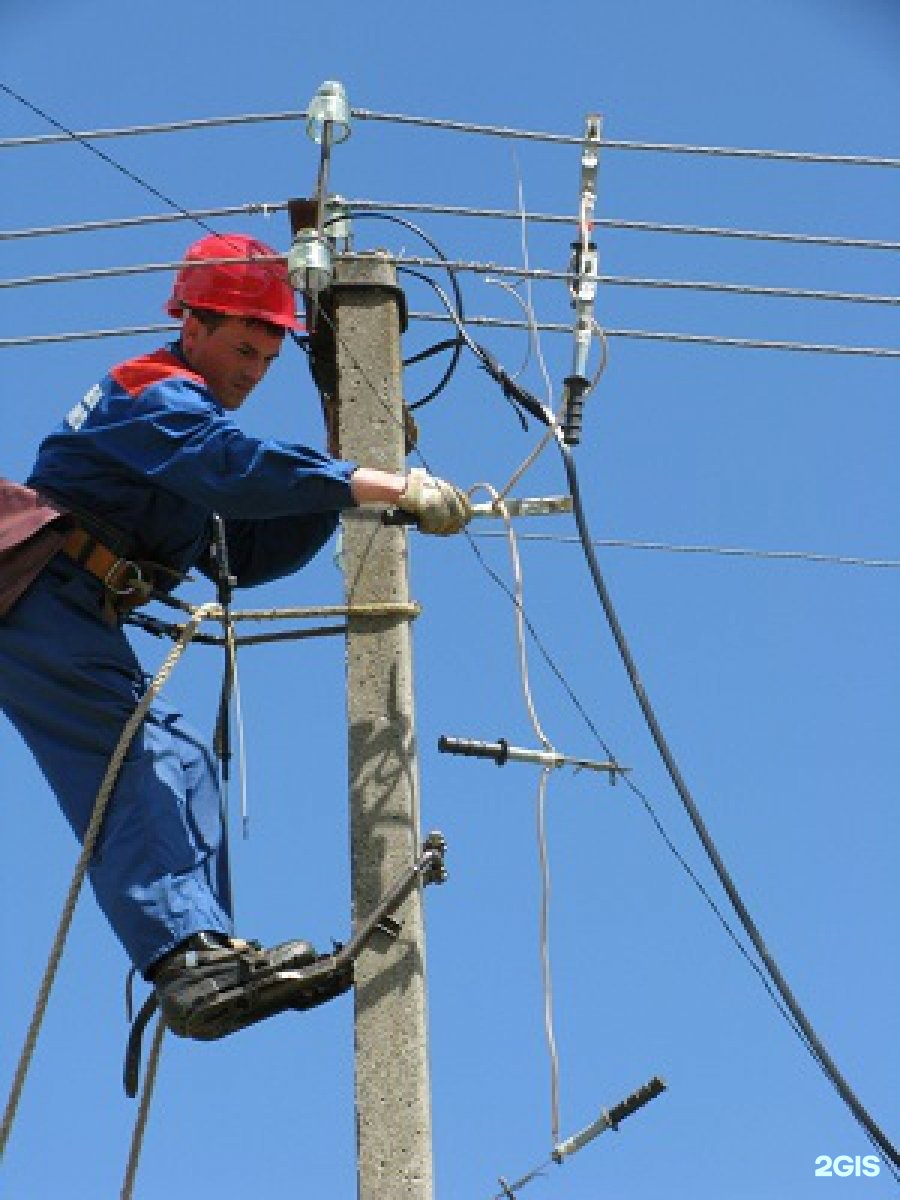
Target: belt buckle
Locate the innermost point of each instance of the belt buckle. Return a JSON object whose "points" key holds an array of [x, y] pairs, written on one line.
{"points": [[137, 578]]}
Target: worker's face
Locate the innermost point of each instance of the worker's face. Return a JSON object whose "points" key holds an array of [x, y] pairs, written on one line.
{"points": [[232, 358]]}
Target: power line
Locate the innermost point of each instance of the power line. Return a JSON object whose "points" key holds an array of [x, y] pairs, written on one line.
{"points": [[489, 268], [255, 208], [506, 131], [52, 139], [805, 556], [699, 339], [49, 339], [740, 289], [484, 130], [459, 210], [265, 209]]}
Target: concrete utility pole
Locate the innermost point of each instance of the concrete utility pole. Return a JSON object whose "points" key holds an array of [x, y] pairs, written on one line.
{"points": [[393, 1103]]}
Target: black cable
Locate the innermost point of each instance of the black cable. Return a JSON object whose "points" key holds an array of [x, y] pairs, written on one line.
{"points": [[800, 1023], [358, 214], [436, 348], [811, 1039]]}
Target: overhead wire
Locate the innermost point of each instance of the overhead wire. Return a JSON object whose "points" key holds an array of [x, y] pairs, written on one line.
{"points": [[485, 322], [266, 209], [697, 339], [254, 208], [804, 556], [455, 126], [491, 268]]}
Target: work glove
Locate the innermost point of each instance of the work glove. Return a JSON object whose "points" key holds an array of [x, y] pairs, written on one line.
{"points": [[438, 506]]}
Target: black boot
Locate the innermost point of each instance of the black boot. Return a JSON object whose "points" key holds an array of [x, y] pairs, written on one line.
{"points": [[211, 986]]}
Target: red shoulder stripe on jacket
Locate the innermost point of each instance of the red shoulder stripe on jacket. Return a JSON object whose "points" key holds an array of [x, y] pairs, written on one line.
{"points": [[139, 373]]}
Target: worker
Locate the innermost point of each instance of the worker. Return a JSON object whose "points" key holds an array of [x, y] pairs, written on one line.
{"points": [[124, 493]]}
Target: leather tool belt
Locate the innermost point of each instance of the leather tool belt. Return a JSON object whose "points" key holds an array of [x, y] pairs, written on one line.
{"points": [[127, 582]]}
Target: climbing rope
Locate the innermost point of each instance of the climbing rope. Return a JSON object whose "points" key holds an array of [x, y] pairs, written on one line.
{"points": [[185, 634], [90, 839], [140, 1124]]}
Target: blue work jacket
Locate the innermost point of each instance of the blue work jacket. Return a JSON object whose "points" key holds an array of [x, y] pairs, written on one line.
{"points": [[151, 453]]}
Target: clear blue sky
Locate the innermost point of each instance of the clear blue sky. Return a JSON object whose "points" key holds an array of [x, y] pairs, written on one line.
{"points": [[776, 681]]}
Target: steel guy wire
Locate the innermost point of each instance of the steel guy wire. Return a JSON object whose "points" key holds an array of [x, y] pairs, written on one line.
{"points": [[537, 274], [455, 126], [261, 208]]}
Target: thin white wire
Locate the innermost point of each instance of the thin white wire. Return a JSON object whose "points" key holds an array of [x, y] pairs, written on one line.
{"points": [[512, 290], [546, 974], [533, 335]]}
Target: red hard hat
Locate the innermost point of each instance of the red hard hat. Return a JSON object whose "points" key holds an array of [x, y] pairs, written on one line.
{"points": [[242, 287]]}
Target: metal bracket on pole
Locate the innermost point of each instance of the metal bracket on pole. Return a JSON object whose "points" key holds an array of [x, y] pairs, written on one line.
{"points": [[501, 752], [525, 506], [584, 266]]}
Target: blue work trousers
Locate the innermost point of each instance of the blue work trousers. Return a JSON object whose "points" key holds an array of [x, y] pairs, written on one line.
{"points": [[69, 681]]}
